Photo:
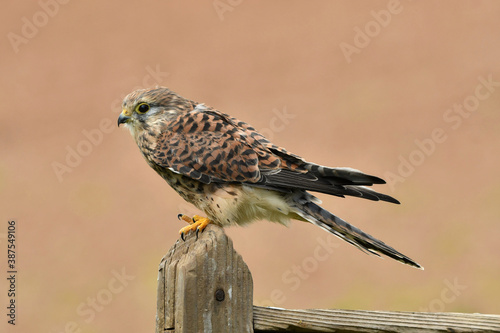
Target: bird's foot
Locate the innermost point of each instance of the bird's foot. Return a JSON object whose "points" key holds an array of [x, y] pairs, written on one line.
{"points": [[197, 224]]}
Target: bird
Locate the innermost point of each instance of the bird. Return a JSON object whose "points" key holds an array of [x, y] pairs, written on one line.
{"points": [[236, 176]]}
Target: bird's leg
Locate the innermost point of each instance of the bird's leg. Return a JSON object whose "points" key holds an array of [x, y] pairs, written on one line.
{"points": [[197, 223]]}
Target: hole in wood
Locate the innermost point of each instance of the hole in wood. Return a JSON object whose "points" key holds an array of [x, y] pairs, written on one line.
{"points": [[219, 295]]}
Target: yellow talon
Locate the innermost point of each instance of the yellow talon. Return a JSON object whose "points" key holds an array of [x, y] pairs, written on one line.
{"points": [[197, 223]]}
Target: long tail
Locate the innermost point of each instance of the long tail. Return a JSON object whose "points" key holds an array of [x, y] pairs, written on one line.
{"points": [[310, 211]]}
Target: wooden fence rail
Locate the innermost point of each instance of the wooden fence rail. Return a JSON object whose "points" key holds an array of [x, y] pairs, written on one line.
{"points": [[205, 286]]}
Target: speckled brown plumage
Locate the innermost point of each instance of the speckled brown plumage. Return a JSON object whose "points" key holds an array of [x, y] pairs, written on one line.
{"points": [[235, 175]]}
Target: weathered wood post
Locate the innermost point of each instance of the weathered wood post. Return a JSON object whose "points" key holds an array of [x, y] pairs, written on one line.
{"points": [[204, 286]]}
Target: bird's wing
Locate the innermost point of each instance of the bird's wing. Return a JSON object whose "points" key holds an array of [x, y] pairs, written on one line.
{"points": [[296, 173], [208, 146], [211, 146]]}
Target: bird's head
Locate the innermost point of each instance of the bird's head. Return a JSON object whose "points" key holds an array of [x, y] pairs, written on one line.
{"points": [[144, 108]]}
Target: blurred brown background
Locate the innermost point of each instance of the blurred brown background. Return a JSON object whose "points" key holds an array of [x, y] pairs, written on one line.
{"points": [[396, 89]]}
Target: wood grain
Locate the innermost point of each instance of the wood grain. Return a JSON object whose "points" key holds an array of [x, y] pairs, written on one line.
{"points": [[204, 286], [283, 320]]}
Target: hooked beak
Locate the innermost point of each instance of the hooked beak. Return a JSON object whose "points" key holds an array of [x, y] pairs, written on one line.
{"points": [[123, 118]]}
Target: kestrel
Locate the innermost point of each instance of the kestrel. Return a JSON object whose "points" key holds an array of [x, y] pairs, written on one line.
{"points": [[235, 175]]}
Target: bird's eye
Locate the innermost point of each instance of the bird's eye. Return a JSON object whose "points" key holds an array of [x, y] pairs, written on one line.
{"points": [[142, 108]]}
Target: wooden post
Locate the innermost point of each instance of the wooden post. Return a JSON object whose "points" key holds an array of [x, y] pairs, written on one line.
{"points": [[204, 286]]}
